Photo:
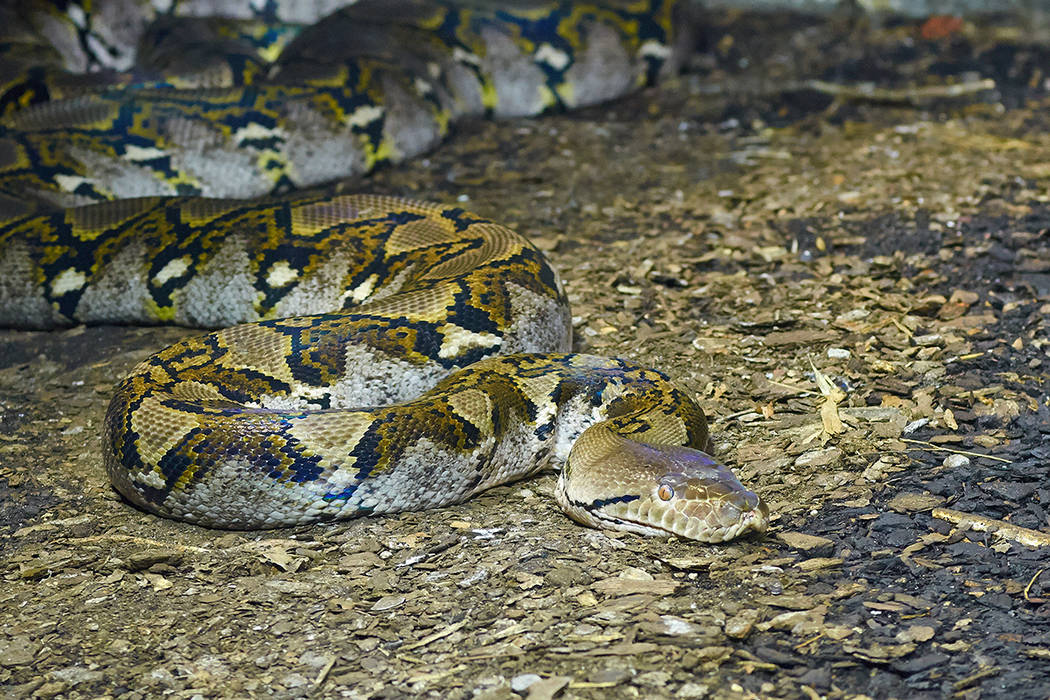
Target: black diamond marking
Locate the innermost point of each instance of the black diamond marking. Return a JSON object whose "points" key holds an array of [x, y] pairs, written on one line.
{"points": [[462, 218]]}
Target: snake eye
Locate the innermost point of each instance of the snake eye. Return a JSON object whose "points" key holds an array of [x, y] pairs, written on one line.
{"points": [[665, 492]]}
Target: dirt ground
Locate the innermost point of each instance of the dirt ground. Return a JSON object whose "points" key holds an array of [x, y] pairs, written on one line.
{"points": [[835, 233]]}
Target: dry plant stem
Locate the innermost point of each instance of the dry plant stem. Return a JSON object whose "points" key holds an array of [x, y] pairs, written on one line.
{"points": [[939, 448], [900, 95], [435, 636], [978, 523], [1031, 582], [144, 541]]}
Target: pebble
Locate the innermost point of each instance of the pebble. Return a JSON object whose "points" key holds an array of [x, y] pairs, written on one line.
{"points": [[519, 684], [739, 627], [17, 651]]}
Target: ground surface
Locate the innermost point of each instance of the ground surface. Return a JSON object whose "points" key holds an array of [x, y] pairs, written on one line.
{"points": [[741, 229]]}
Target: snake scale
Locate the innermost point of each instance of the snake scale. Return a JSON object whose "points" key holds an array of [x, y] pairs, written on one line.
{"points": [[373, 354]]}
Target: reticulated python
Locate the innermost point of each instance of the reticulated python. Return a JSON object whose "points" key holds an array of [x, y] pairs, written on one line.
{"points": [[376, 354]]}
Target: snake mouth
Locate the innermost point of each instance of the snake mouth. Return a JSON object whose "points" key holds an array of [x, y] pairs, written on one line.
{"points": [[665, 522]]}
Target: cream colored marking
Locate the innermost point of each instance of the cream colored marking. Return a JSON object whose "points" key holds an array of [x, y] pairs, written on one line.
{"points": [[175, 268], [363, 116], [555, 58], [254, 130], [67, 281], [77, 16], [363, 290], [476, 406], [132, 152], [456, 340], [460, 55], [423, 87], [655, 49], [281, 273], [70, 183], [153, 479]]}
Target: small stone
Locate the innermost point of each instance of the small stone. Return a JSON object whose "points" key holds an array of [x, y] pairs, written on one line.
{"points": [[284, 627], [914, 502], [51, 689], [676, 626], [804, 542], [654, 679], [144, 560], [564, 576], [817, 563], [819, 458], [739, 626], [388, 602], [928, 340], [955, 461], [916, 633], [838, 353], [799, 622], [610, 676], [962, 296], [519, 684], [693, 690], [294, 680], [17, 651], [838, 632], [547, 688], [915, 425], [313, 659], [632, 573]]}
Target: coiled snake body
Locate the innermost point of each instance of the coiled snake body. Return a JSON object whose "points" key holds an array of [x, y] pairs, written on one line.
{"points": [[375, 354]]}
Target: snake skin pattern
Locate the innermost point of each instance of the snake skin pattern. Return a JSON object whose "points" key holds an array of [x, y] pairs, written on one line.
{"points": [[375, 354]]}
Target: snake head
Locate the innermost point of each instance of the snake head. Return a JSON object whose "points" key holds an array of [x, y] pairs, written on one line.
{"points": [[658, 490]]}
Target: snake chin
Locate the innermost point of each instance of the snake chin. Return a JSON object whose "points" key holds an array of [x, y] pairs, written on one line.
{"points": [[711, 525]]}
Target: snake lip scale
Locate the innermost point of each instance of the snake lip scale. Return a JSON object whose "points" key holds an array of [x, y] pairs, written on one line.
{"points": [[369, 354]]}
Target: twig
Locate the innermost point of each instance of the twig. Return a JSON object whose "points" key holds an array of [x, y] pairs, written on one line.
{"points": [[325, 670], [974, 677], [734, 416], [909, 95], [798, 390], [979, 523], [809, 641], [435, 636], [1031, 582], [140, 540], [939, 448]]}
